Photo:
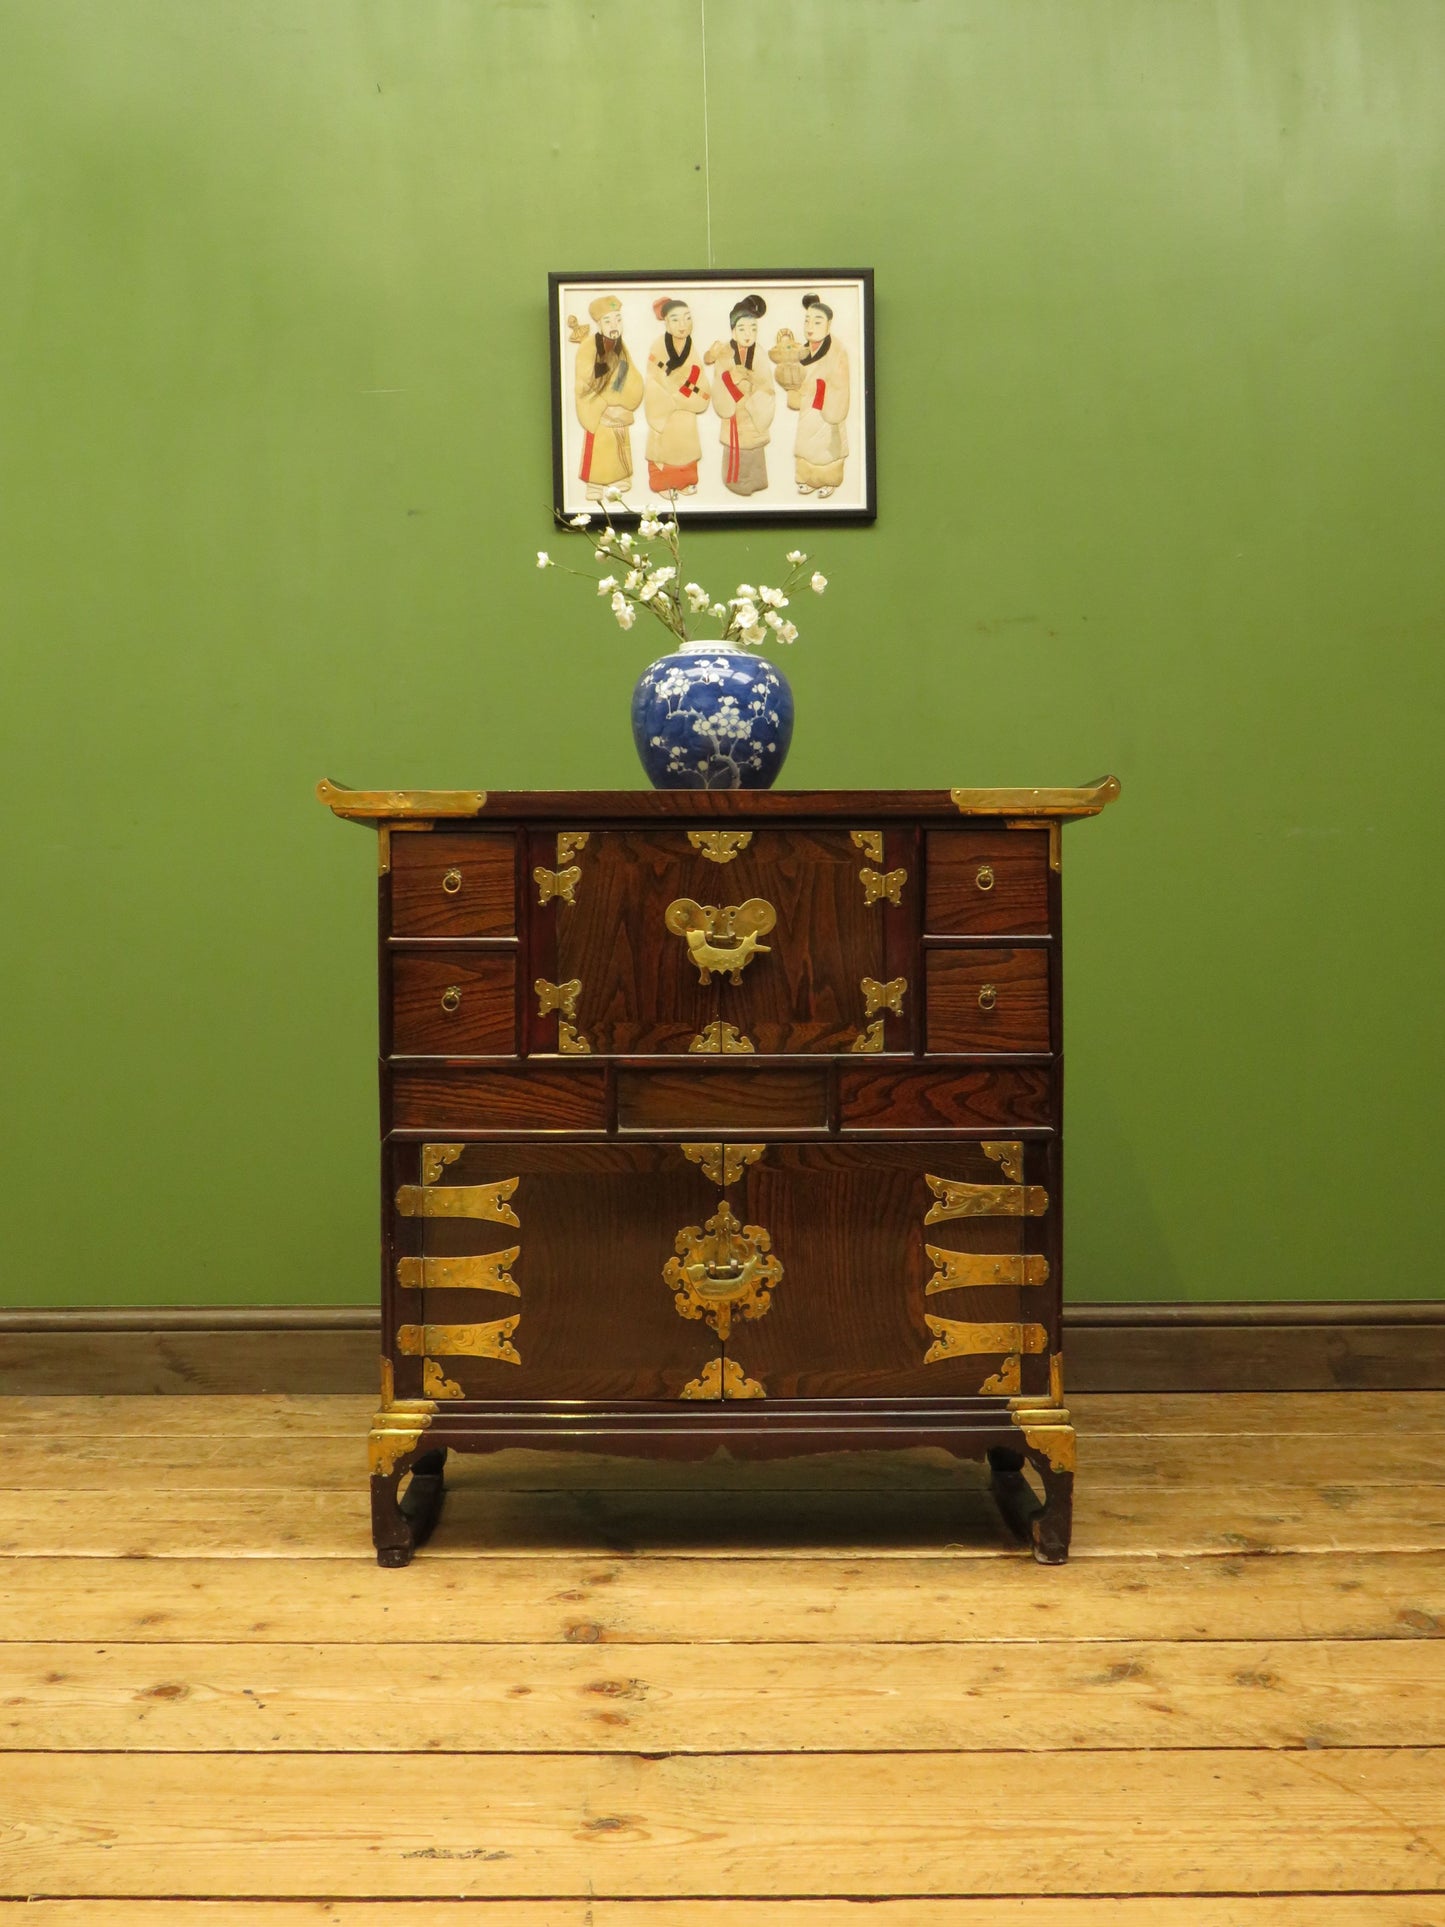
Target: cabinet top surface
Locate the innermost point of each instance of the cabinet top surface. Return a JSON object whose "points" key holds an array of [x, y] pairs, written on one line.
{"points": [[392, 806]]}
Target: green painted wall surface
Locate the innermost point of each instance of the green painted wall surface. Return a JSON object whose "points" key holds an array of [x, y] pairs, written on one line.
{"points": [[1162, 408]]}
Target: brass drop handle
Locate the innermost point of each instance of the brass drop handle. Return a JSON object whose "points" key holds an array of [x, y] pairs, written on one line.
{"points": [[452, 882], [722, 939], [984, 879], [987, 996], [452, 997]]}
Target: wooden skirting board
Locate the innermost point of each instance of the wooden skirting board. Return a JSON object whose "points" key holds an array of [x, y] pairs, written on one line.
{"points": [[1109, 1348]]}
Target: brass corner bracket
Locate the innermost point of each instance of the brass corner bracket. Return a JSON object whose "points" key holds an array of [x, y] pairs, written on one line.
{"points": [[363, 806], [1087, 801]]}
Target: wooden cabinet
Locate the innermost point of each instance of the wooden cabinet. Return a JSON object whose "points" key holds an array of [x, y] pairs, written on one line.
{"points": [[721, 1120]]}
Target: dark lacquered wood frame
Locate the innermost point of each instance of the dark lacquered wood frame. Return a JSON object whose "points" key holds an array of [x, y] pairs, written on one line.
{"points": [[1010, 1433]]}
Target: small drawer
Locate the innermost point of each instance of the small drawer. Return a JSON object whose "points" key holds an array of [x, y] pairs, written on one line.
{"points": [[988, 999], [448, 885], [983, 883], [456, 1004]]}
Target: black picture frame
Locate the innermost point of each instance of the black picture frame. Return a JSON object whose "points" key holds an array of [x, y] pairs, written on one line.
{"points": [[568, 297]]}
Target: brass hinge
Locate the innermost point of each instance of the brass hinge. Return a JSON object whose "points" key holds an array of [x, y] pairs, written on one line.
{"points": [[959, 1340], [557, 883], [459, 1201], [984, 1268], [493, 1340], [954, 1200], [887, 996], [561, 997], [878, 884], [486, 1272]]}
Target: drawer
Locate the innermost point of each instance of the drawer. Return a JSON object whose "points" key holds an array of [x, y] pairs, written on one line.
{"points": [[988, 998], [453, 1004], [901, 1097], [983, 883], [447, 884]]}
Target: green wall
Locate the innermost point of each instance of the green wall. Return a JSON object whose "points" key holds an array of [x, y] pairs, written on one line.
{"points": [[1160, 429]]}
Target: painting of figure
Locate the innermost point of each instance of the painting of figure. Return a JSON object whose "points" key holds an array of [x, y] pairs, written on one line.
{"points": [[677, 393], [744, 396], [697, 424], [609, 391], [821, 400]]}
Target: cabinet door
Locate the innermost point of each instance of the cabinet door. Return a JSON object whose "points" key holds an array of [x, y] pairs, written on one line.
{"points": [[536, 1271], [611, 976], [904, 1270], [833, 975]]}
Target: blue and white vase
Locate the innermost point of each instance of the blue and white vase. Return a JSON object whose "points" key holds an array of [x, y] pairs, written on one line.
{"points": [[712, 716]]}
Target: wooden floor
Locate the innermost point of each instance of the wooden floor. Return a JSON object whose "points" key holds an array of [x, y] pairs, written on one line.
{"points": [[621, 1695]]}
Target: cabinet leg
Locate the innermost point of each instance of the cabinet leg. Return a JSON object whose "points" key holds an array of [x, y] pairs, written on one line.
{"points": [[400, 1525], [1047, 1525]]}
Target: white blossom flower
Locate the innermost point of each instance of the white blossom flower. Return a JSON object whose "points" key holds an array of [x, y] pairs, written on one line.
{"points": [[623, 538], [664, 574], [755, 633], [773, 619], [746, 615], [774, 598], [818, 583], [746, 591], [623, 610], [648, 527], [613, 494], [583, 521], [697, 596], [634, 579], [648, 589], [718, 612], [795, 556], [607, 584], [544, 561], [788, 632]]}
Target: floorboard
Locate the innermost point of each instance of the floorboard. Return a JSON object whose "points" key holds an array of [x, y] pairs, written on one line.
{"points": [[620, 1695]]}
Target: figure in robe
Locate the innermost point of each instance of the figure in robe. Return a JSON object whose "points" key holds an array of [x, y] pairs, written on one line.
{"points": [[609, 392], [822, 403], [744, 395], [677, 393]]}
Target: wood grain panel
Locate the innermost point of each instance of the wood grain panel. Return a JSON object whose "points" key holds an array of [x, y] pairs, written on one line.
{"points": [[483, 901], [623, 1825], [616, 1600], [484, 1020], [640, 992], [805, 994], [900, 1097], [537, 1098], [736, 1101], [987, 882], [1018, 1021]]}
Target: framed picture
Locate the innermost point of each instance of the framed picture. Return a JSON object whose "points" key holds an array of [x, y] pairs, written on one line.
{"points": [[738, 397]]}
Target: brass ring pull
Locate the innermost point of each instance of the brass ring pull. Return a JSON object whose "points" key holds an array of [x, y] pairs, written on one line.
{"points": [[987, 996], [721, 939], [452, 997], [452, 882], [984, 879]]}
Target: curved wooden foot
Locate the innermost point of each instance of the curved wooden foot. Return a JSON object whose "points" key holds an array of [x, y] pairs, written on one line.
{"points": [[1047, 1525], [400, 1525]]}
